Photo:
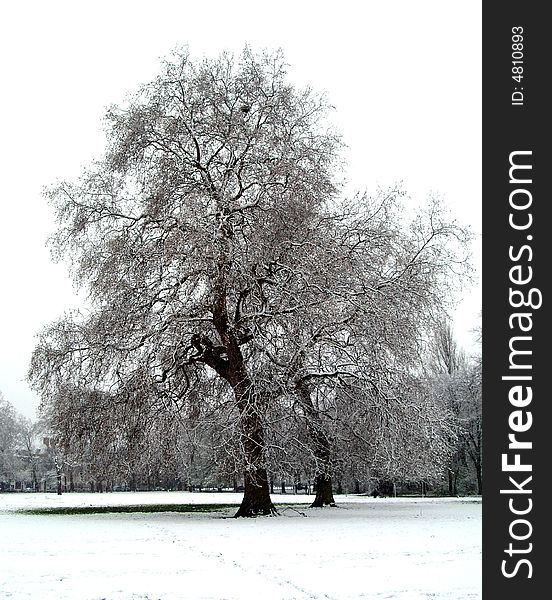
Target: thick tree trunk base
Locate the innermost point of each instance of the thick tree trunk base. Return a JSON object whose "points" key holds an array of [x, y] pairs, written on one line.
{"points": [[324, 492], [256, 499]]}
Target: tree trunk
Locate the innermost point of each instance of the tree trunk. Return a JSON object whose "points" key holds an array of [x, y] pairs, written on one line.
{"points": [[479, 478], [324, 492], [59, 474], [474, 453], [232, 368], [451, 482], [321, 448], [256, 499]]}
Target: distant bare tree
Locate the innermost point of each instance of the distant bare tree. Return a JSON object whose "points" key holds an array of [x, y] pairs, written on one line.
{"points": [[8, 441], [30, 449], [458, 386], [447, 356], [471, 417]]}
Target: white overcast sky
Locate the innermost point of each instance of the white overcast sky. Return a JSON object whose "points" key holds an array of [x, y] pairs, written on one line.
{"points": [[404, 76]]}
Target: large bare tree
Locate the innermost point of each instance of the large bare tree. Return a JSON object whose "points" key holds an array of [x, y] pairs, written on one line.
{"points": [[376, 285], [211, 171], [224, 270]]}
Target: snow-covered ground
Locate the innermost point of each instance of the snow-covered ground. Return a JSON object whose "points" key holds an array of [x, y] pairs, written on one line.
{"points": [[366, 548]]}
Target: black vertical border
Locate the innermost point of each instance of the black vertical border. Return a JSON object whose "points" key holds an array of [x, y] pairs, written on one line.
{"points": [[508, 128]]}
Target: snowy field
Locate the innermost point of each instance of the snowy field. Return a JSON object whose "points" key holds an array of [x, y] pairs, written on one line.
{"points": [[366, 548]]}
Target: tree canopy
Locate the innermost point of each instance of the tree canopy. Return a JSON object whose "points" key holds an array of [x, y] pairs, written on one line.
{"points": [[231, 282]]}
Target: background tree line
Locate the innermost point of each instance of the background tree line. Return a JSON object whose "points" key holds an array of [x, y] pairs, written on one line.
{"points": [[173, 454]]}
